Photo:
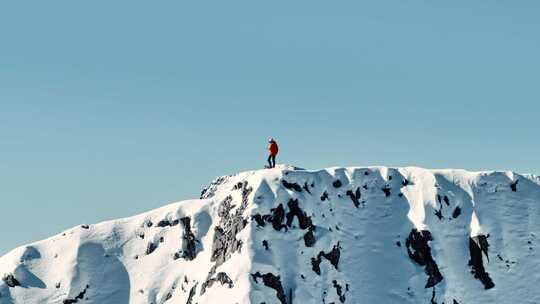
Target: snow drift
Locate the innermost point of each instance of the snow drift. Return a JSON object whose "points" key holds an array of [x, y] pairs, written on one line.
{"points": [[286, 235]]}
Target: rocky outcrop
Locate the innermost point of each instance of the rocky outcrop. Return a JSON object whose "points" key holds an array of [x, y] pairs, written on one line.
{"points": [[354, 196], [225, 242], [189, 250], [10, 280], [328, 236], [78, 297], [291, 186], [332, 256], [419, 251], [478, 246], [272, 281]]}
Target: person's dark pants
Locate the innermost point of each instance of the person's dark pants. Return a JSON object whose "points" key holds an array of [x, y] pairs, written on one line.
{"points": [[272, 161]]}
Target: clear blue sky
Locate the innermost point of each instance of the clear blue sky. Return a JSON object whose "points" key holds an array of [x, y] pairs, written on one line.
{"points": [[110, 108]]}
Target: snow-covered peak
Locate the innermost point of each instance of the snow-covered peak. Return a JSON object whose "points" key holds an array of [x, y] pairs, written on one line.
{"points": [[289, 235]]}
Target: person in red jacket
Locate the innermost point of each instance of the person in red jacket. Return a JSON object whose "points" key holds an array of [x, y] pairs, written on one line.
{"points": [[273, 151]]}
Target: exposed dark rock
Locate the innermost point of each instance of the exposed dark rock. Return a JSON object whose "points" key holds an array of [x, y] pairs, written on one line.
{"points": [[306, 187], [387, 190], [240, 185], [278, 215], [309, 238], [85, 226], [265, 244], [439, 198], [275, 218], [303, 220], [513, 186], [337, 183], [80, 296], [272, 281], [439, 215], [432, 301], [225, 242], [210, 190], [291, 186], [324, 196], [405, 182], [332, 257], [165, 223], [339, 291], [355, 196], [151, 248], [457, 212], [10, 280], [398, 243], [259, 220], [420, 252], [316, 265], [189, 247], [192, 294], [226, 206], [446, 200], [477, 246], [221, 277]]}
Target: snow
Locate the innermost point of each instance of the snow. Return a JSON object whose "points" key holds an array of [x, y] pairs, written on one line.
{"points": [[146, 258]]}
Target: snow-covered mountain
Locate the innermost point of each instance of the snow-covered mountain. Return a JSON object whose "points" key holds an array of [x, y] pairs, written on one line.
{"points": [[286, 235]]}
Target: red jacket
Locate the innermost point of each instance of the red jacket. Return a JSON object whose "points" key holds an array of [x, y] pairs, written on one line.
{"points": [[273, 148]]}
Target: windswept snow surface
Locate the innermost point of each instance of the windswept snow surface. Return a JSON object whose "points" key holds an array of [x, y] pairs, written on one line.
{"points": [[286, 235]]}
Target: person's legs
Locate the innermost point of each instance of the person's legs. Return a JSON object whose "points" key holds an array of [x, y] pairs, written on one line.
{"points": [[270, 161], [273, 161]]}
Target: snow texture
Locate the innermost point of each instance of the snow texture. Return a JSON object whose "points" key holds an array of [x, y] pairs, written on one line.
{"points": [[288, 235]]}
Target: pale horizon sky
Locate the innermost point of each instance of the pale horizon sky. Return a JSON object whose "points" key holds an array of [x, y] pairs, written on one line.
{"points": [[109, 109]]}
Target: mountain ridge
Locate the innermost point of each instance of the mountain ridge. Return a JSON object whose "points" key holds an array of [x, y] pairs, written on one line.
{"points": [[337, 235]]}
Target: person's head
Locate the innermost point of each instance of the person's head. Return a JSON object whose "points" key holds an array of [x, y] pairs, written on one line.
{"points": [[271, 140]]}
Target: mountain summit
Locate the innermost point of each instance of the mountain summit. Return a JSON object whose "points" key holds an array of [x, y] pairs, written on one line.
{"points": [[288, 235]]}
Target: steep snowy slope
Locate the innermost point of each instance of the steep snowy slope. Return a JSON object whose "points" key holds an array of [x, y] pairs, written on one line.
{"points": [[285, 235]]}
